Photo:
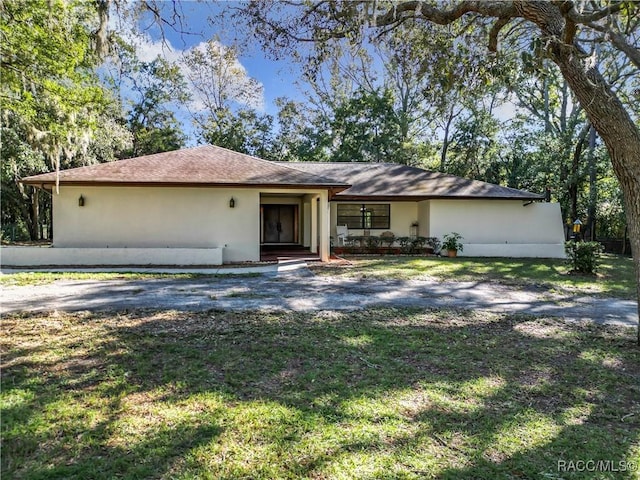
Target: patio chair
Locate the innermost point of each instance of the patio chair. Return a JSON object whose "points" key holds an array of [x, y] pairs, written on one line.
{"points": [[342, 233]]}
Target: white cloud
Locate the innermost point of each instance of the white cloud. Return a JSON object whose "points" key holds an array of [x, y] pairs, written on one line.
{"points": [[232, 81], [148, 49], [236, 85]]}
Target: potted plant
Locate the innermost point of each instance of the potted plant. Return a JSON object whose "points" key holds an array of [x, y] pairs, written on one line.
{"points": [[451, 243]]}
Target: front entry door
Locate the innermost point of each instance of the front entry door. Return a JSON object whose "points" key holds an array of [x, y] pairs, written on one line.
{"points": [[279, 223]]}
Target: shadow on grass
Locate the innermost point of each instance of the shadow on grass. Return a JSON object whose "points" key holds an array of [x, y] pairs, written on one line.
{"points": [[616, 276], [411, 394]]}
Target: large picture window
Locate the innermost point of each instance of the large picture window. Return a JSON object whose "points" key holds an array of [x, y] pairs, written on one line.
{"points": [[364, 216]]}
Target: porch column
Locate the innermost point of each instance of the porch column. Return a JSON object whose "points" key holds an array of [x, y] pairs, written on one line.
{"points": [[324, 219], [314, 224]]}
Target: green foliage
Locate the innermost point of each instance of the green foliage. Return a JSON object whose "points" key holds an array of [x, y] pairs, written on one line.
{"points": [[611, 220], [582, 257], [154, 126], [378, 393], [56, 113], [297, 138], [451, 241], [372, 243], [434, 243], [474, 147], [364, 128], [48, 77], [19, 159], [405, 244], [225, 99], [244, 131]]}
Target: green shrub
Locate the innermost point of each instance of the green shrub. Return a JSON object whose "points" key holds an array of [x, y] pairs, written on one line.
{"points": [[452, 241], [434, 242], [582, 257], [417, 244], [372, 243], [405, 243]]}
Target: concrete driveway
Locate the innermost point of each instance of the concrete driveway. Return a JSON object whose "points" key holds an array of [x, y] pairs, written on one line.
{"points": [[301, 290]]}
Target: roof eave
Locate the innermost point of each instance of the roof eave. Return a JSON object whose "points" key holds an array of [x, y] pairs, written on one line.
{"points": [[107, 183], [417, 198]]}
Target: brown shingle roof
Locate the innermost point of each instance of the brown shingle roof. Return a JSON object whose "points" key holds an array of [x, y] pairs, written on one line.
{"points": [[204, 165], [211, 165], [386, 181]]}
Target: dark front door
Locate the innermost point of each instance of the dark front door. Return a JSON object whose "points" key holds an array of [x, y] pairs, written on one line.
{"points": [[279, 223]]}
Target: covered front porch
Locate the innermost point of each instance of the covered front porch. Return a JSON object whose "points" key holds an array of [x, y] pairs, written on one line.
{"points": [[294, 224]]}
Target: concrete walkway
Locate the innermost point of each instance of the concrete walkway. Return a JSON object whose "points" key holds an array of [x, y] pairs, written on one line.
{"points": [[281, 266], [293, 287]]}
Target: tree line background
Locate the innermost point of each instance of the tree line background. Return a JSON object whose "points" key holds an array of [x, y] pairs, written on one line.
{"points": [[75, 92]]}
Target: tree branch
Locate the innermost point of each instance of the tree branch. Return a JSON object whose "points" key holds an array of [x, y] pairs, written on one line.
{"points": [[495, 30], [577, 17], [619, 42], [440, 16]]}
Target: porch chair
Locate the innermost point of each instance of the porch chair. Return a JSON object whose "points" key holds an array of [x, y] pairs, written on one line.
{"points": [[342, 232]]}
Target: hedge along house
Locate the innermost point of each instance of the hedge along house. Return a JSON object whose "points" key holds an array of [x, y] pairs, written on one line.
{"points": [[208, 205]]}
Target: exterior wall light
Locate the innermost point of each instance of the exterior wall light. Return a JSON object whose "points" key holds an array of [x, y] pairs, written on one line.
{"points": [[414, 230], [232, 203], [576, 226], [576, 231], [81, 201]]}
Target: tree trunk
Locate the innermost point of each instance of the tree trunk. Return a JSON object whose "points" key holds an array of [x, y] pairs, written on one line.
{"points": [[603, 108], [445, 142], [593, 191], [34, 215], [572, 188], [616, 128]]}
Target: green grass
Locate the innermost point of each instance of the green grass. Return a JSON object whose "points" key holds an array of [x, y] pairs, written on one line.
{"points": [[382, 393], [39, 278], [615, 278]]}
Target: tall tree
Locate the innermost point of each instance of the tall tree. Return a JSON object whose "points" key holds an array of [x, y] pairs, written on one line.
{"points": [[365, 129], [294, 138], [244, 131], [156, 85], [220, 86], [564, 30], [48, 77], [474, 147], [54, 107]]}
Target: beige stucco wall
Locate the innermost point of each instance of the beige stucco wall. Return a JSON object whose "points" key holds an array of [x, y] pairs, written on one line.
{"points": [[403, 214], [306, 221], [84, 256], [500, 227], [159, 217], [176, 217], [424, 218], [493, 228]]}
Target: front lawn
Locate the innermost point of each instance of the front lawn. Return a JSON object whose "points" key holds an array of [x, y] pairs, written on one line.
{"points": [[39, 278], [615, 277], [384, 393]]}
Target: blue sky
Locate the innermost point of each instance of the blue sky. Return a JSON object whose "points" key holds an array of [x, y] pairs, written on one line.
{"points": [[201, 21], [204, 20]]}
